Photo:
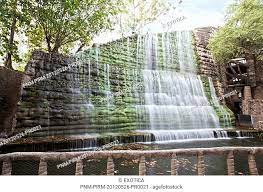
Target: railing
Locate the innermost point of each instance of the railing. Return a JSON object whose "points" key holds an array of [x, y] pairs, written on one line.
{"points": [[200, 153]]}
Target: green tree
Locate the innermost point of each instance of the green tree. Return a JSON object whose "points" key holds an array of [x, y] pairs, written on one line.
{"points": [[14, 18], [242, 36], [60, 25]]}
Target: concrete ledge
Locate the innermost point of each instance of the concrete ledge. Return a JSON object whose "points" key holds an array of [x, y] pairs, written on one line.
{"points": [[63, 156]]}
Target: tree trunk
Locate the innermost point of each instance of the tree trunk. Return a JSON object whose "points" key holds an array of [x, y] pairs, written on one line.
{"points": [[56, 46], [55, 49], [8, 61], [48, 43], [251, 58]]}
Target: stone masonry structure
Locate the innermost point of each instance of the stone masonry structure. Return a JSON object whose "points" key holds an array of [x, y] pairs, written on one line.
{"points": [[208, 66], [95, 96]]}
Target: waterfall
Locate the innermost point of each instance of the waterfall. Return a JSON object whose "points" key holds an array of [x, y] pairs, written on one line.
{"points": [[167, 50], [109, 96], [185, 52], [215, 101], [175, 102], [97, 59]]}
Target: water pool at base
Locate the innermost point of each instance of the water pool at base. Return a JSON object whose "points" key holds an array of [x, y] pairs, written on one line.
{"points": [[214, 164], [187, 165]]}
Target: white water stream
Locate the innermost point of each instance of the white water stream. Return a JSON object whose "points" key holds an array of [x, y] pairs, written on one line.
{"points": [[175, 102]]}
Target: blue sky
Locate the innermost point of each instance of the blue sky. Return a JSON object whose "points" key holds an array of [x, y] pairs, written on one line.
{"points": [[198, 13], [208, 11], [209, 5]]}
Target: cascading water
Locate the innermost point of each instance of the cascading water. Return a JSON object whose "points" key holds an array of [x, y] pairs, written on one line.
{"points": [[175, 102], [185, 52], [109, 97], [215, 101]]}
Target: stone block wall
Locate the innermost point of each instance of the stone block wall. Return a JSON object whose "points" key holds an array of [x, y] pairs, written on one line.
{"points": [[247, 97], [253, 107], [256, 107], [207, 65], [53, 102], [256, 103], [259, 72], [256, 110], [209, 68], [259, 125], [98, 96], [258, 91], [251, 72], [252, 103], [101, 93], [92, 97]]}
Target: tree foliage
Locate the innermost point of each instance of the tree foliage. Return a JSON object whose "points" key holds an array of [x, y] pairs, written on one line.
{"points": [[139, 13], [14, 18], [59, 26], [242, 36], [62, 24], [52, 25]]}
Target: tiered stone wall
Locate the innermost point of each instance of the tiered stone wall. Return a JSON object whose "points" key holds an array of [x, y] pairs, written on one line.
{"points": [[207, 65], [259, 125], [52, 102], [209, 68], [258, 92], [89, 98], [251, 71], [259, 72], [256, 109], [100, 94], [247, 97], [253, 98], [253, 107], [252, 103]]}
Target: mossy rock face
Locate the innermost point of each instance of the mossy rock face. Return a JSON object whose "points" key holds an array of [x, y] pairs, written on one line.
{"points": [[225, 115]]}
